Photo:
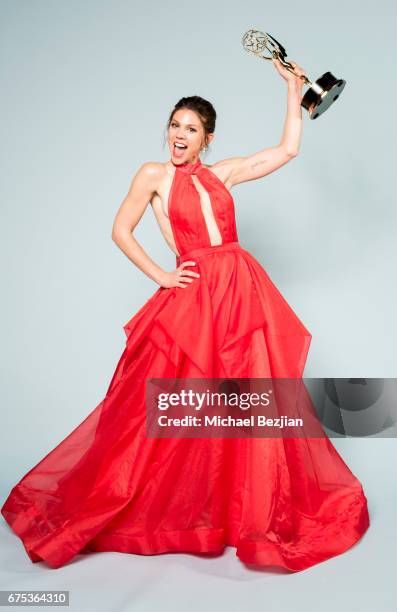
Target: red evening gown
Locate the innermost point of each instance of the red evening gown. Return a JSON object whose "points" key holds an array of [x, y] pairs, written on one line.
{"points": [[107, 487]]}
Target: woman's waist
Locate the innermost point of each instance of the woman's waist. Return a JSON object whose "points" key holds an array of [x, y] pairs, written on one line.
{"points": [[199, 252]]}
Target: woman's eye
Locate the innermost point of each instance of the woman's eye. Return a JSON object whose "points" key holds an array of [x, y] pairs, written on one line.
{"points": [[176, 125]]}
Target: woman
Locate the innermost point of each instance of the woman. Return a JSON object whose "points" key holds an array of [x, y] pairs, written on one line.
{"points": [[108, 486]]}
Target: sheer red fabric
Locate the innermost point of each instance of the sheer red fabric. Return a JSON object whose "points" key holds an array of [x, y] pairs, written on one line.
{"points": [[107, 487]]}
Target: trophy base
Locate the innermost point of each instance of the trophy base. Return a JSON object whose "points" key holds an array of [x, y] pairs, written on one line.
{"points": [[322, 93]]}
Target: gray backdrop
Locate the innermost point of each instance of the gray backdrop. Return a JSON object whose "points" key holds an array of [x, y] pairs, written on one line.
{"points": [[87, 87]]}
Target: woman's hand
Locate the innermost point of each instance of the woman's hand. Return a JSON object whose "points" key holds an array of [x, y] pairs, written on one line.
{"points": [[179, 276], [289, 76]]}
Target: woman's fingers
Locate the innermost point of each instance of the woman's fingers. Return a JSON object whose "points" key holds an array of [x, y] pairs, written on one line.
{"points": [[298, 69], [185, 272]]}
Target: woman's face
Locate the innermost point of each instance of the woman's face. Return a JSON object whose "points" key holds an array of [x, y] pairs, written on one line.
{"points": [[185, 129]]}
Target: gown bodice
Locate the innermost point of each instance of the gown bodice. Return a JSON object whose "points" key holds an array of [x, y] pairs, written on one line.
{"points": [[202, 215]]}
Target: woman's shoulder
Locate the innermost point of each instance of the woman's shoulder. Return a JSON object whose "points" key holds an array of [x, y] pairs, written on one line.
{"points": [[153, 173], [153, 168], [221, 169]]}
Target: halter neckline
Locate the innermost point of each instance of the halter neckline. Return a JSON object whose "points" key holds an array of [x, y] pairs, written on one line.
{"points": [[188, 168]]}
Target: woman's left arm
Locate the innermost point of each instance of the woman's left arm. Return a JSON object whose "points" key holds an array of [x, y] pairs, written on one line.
{"points": [[240, 169]]}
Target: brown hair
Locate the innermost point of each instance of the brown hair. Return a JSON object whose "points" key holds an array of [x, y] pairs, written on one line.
{"points": [[204, 110]]}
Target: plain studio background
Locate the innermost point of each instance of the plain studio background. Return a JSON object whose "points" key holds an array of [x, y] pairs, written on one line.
{"points": [[86, 91]]}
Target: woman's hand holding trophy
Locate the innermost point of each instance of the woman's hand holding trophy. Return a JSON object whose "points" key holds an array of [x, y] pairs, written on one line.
{"points": [[321, 93]]}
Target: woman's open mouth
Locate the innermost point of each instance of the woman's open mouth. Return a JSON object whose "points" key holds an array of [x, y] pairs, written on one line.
{"points": [[179, 149]]}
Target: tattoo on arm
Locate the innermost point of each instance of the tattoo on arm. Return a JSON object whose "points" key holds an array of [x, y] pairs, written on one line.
{"points": [[258, 163]]}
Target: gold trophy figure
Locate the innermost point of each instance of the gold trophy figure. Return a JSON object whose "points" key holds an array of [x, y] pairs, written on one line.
{"points": [[321, 93]]}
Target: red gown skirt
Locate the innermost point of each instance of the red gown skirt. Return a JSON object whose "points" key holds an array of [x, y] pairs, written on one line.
{"points": [[108, 487]]}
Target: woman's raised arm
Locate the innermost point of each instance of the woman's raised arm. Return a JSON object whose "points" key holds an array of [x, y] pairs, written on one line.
{"points": [[240, 169]]}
